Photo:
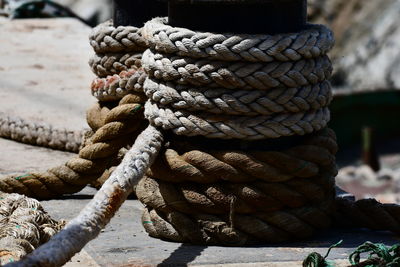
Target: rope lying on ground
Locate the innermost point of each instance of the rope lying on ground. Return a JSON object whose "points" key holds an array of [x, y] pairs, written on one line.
{"points": [[102, 208], [39, 134], [113, 128], [379, 255], [24, 226]]}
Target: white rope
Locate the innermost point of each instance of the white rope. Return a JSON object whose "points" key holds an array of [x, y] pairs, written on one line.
{"points": [[96, 215]]}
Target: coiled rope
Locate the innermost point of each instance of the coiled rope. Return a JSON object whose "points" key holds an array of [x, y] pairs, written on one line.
{"points": [[209, 196], [24, 226]]}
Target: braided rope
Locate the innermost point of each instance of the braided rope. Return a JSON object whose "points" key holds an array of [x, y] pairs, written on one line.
{"points": [[224, 127], [312, 42], [240, 102], [116, 87], [24, 226], [105, 38], [237, 75], [39, 134], [104, 65]]}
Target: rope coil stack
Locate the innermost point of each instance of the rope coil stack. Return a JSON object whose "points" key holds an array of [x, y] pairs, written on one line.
{"points": [[239, 87], [24, 226]]}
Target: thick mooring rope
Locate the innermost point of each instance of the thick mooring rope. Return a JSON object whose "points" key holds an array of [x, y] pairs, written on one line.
{"points": [[114, 129], [274, 196], [95, 216], [24, 226], [39, 134]]}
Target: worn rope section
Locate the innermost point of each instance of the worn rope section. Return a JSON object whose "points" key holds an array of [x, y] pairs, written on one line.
{"points": [[24, 226], [95, 216], [113, 129], [279, 195], [39, 134], [312, 42]]}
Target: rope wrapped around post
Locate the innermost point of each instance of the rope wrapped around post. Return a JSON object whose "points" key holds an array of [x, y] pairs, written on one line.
{"points": [[247, 88]]}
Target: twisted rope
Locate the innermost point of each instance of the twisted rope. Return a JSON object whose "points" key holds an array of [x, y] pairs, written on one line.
{"points": [[39, 134], [368, 213], [283, 195], [24, 226], [113, 128], [88, 224], [303, 160], [312, 42]]}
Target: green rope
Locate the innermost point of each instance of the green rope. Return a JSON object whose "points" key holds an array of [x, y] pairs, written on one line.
{"points": [[379, 256], [316, 260]]}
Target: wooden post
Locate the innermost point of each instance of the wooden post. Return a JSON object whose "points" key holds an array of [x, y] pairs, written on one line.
{"points": [[236, 16], [369, 154], [137, 12]]}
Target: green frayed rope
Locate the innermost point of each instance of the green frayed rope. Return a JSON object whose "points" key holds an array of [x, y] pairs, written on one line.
{"points": [[379, 256], [316, 260]]}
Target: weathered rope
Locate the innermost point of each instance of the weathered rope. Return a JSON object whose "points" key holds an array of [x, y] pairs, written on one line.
{"points": [[240, 102], [115, 87], [105, 38], [312, 42], [379, 255], [113, 129], [278, 195], [170, 70], [39, 134], [249, 128], [104, 65], [368, 213], [88, 224], [24, 226], [237, 75]]}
